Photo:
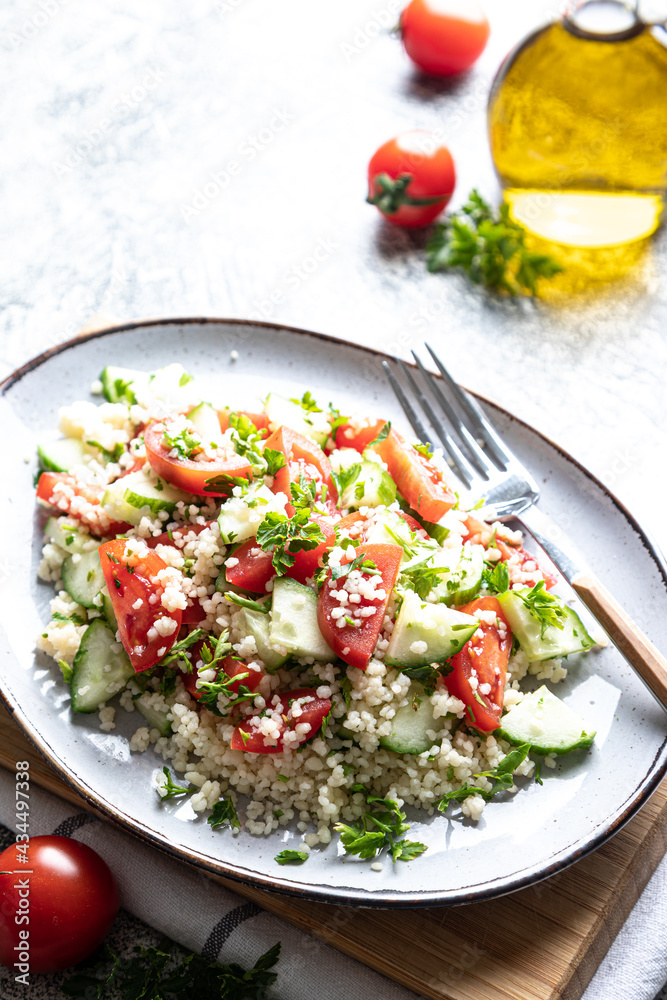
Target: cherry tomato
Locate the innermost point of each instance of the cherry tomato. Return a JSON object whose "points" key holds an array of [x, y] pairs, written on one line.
{"points": [[80, 500], [358, 434], [187, 473], [253, 569], [58, 900], [411, 178], [485, 656], [304, 458], [444, 37], [355, 643], [131, 583], [507, 551], [418, 479], [312, 713]]}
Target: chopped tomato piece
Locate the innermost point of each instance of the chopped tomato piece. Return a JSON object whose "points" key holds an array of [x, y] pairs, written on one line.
{"points": [[253, 568], [483, 659], [354, 643], [508, 552], [289, 712], [193, 614], [260, 420], [417, 478], [80, 500], [145, 626], [190, 474], [358, 434], [304, 458], [308, 562], [350, 521]]}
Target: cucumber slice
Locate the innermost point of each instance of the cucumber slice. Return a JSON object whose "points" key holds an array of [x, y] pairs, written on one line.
{"points": [[119, 384], [410, 724], [61, 455], [427, 633], [258, 625], [572, 638], [372, 487], [286, 413], [109, 613], [240, 517], [66, 534], [159, 719], [462, 582], [100, 670], [392, 529], [547, 723], [205, 421], [293, 622], [83, 577], [139, 494]]}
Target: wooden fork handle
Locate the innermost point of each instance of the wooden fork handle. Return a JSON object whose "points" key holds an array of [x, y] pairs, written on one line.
{"points": [[648, 661]]}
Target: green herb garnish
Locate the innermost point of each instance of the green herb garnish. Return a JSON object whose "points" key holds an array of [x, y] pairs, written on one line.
{"points": [[291, 857]]}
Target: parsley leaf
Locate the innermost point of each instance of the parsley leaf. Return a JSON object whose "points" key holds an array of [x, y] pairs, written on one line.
{"points": [[171, 790], [223, 485], [360, 562], [497, 578], [244, 602], [286, 536], [490, 248], [544, 606], [66, 670], [502, 778], [275, 461], [75, 619], [422, 579], [308, 402], [345, 478], [179, 651], [291, 857], [382, 436], [378, 828], [336, 420], [186, 443], [224, 812]]}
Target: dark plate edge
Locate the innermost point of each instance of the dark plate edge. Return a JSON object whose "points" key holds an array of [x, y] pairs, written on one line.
{"points": [[324, 894]]}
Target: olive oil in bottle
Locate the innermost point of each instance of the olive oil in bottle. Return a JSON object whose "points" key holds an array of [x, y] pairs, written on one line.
{"points": [[578, 128]]}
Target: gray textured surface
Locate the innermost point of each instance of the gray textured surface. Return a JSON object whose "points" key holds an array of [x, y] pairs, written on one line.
{"points": [[115, 116]]}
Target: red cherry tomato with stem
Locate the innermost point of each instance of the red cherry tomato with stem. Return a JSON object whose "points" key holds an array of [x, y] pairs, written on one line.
{"points": [[411, 178], [69, 895], [444, 37]]}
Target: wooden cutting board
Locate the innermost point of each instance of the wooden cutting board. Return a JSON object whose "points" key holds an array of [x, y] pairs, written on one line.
{"points": [[542, 943]]}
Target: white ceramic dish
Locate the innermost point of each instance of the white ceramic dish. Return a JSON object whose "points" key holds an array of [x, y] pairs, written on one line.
{"points": [[521, 838]]}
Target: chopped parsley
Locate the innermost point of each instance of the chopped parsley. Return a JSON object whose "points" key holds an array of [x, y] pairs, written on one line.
{"points": [[502, 778], [186, 443], [360, 562], [285, 536], [308, 403], [345, 478], [224, 812], [496, 578], [74, 619], [171, 790], [383, 435], [545, 607], [244, 602], [379, 827], [291, 857]]}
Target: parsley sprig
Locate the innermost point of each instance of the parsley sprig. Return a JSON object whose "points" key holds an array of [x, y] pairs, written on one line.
{"points": [[361, 562], [490, 248], [496, 578], [171, 789], [544, 606], [224, 812], [502, 778], [285, 536], [379, 827], [153, 973], [186, 443]]}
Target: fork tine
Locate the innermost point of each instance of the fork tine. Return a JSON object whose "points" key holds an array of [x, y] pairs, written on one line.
{"points": [[477, 418], [456, 455], [414, 420], [478, 458]]}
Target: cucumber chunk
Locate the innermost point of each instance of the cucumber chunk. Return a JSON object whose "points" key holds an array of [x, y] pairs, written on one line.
{"points": [[156, 718], [205, 421], [100, 670], [141, 494], [109, 613], [572, 638], [240, 517], [462, 582], [83, 577], [547, 723], [293, 624], [286, 413], [410, 724], [372, 487], [61, 455], [390, 528], [119, 384], [258, 625], [66, 534], [427, 633]]}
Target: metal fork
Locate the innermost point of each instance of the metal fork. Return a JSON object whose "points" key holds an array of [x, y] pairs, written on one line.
{"points": [[486, 466]]}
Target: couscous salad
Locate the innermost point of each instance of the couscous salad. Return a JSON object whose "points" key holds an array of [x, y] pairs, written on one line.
{"points": [[312, 627]]}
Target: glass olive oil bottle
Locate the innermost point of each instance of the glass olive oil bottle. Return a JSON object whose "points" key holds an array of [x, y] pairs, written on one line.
{"points": [[578, 127]]}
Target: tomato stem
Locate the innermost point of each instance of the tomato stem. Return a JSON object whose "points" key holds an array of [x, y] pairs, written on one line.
{"points": [[392, 192]]}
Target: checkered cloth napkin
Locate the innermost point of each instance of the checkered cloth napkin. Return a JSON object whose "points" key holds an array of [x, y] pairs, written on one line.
{"points": [[211, 920]]}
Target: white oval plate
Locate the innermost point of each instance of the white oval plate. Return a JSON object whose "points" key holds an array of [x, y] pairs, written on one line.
{"points": [[520, 839]]}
